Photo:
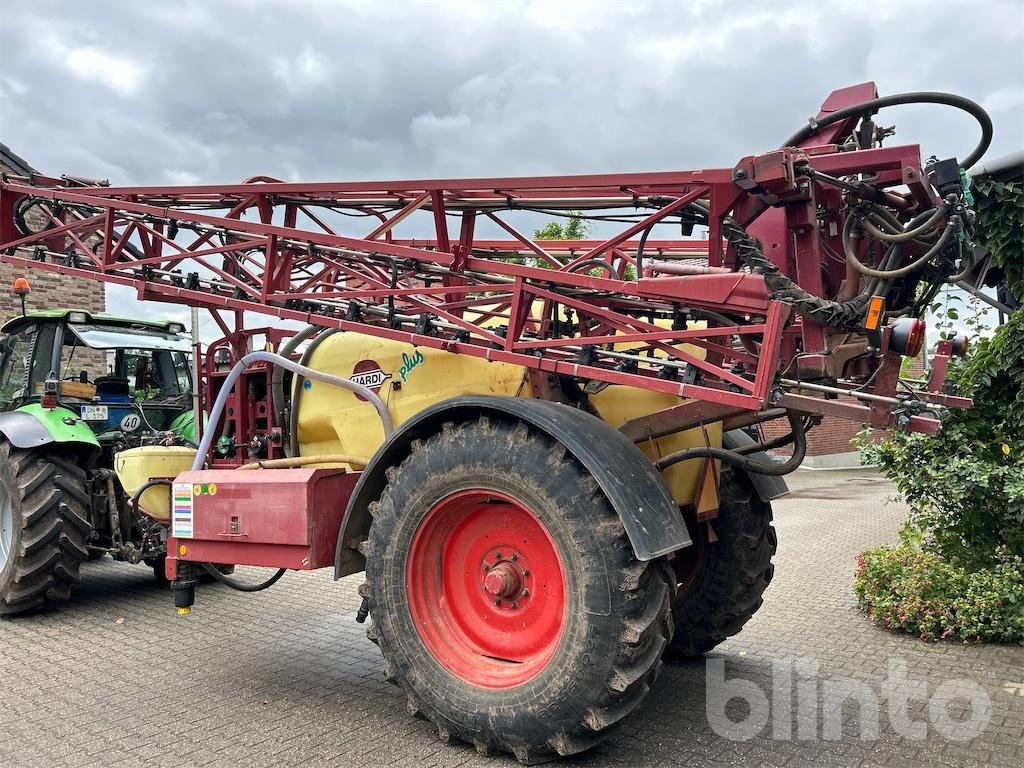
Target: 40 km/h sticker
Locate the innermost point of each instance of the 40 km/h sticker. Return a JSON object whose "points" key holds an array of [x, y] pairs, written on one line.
{"points": [[131, 422]]}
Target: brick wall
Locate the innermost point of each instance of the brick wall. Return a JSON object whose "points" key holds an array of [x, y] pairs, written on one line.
{"points": [[49, 290], [833, 435]]}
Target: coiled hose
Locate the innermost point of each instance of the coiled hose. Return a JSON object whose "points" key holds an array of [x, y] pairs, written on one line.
{"points": [[952, 226], [919, 97]]}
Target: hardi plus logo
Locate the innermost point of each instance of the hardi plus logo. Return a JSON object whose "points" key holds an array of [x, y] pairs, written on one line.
{"points": [[368, 373]]}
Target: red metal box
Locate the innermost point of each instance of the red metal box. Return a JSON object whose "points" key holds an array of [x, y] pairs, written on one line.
{"points": [[281, 518]]}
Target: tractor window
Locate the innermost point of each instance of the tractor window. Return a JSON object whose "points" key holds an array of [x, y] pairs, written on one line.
{"points": [[153, 373], [16, 366], [80, 364]]}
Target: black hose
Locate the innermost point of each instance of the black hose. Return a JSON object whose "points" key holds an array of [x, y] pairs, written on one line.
{"points": [[277, 378], [238, 585], [292, 443], [18, 214], [596, 262], [921, 97], [952, 226], [640, 251], [907, 234], [145, 487], [799, 439]]}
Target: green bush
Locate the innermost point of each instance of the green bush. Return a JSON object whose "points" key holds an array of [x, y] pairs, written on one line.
{"points": [[958, 570], [965, 486], [920, 592]]}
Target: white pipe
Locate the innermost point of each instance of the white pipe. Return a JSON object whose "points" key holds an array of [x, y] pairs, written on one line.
{"points": [[197, 356], [284, 362]]}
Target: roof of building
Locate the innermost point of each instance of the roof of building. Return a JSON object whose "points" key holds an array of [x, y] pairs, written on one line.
{"points": [[16, 163]]}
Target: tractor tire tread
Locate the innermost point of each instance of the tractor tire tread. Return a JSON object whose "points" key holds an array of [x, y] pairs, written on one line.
{"points": [[49, 501], [644, 618], [728, 590]]}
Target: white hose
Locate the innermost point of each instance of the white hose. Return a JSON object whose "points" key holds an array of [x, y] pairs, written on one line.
{"points": [[283, 362]]}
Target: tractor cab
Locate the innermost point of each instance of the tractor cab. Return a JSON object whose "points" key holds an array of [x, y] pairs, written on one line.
{"points": [[120, 376]]}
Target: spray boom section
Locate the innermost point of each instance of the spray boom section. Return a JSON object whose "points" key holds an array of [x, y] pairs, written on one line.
{"points": [[804, 291]]}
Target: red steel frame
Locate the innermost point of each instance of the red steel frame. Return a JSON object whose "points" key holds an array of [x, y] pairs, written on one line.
{"points": [[275, 248]]}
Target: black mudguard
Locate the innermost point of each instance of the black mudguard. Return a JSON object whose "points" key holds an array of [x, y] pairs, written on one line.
{"points": [[651, 518]]}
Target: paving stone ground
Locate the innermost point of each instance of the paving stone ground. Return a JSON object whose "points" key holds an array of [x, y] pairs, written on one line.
{"points": [[287, 677]]}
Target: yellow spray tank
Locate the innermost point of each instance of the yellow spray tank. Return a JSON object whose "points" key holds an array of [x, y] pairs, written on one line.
{"points": [[137, 466], [410, 379]]}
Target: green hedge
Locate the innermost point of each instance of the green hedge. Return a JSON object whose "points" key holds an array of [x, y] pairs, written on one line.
{"points": [[958, 569]]}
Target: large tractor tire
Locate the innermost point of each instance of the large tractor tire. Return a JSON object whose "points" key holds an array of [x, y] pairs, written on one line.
{"points": [[505, 595], [721, 578], [44, 527]]}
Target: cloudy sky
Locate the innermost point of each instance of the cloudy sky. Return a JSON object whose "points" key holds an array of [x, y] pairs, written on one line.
{"points": [[183, 92]]}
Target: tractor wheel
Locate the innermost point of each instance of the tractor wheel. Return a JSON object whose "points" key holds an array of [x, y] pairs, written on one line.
{"points": [[505, 595], [44, 527], [722, 576]]}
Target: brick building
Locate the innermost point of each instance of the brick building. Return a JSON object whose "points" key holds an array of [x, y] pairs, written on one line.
{"points": [[49, 290]]}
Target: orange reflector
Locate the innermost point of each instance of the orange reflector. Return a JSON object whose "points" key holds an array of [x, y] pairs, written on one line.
{"points": [[876, 308], [182, 550], [20, 287]]}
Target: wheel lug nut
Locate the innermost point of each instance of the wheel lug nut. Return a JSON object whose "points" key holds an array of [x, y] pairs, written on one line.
{"points": [[487, 566], [497, 602], [515, 556], [525, 593], [497, 555], [515, 604], [525, 574]]}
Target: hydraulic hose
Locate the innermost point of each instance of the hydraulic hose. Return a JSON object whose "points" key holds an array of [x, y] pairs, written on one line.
{"points": [[596, 263], [145, 487], [239, 586], [920, 97], [277, 379], [799, 439], [640, 251], [907, 234], [918, 263], [291, 445], [309, 373]]}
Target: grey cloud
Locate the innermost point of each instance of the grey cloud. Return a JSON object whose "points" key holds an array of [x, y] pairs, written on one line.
{"points": [[329, 90], [157, 93]]}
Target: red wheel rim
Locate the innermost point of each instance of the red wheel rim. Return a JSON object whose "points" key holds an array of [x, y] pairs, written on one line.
{"points": [[486, 589]]}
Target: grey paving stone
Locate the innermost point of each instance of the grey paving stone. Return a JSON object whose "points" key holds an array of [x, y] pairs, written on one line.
{"points": [[287, 677]]}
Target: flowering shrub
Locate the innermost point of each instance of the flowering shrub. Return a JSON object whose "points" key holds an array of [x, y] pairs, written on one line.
{"points": [[909, 589]]}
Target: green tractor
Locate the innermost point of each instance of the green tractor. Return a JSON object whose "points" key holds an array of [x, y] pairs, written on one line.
{"points": [[77, 388]]}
